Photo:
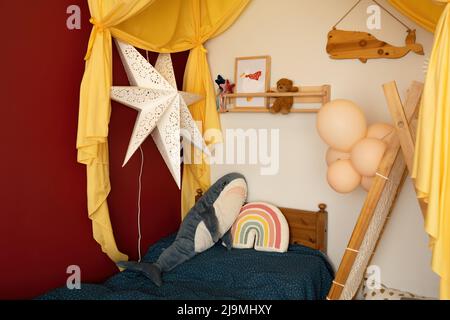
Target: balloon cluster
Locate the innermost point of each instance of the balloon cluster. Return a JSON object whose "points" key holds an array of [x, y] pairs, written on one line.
{"points": [[355, 149]]}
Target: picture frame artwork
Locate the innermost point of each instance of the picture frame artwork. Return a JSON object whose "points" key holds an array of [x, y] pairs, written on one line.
{"points": [[252, 75]]}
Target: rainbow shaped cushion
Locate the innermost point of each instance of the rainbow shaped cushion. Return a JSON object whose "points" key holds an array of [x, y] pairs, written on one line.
{"points": [[261, 226]]}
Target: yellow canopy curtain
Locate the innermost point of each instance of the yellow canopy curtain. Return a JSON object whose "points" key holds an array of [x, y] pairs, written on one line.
{"points": [[155, 25], [425, 13], [179, 25], [432, 157]]}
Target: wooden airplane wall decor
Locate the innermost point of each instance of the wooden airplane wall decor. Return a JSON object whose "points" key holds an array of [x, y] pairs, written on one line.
{"points": [[363, 46]]}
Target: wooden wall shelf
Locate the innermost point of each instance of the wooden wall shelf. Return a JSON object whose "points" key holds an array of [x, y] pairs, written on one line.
{"points": [[265, 110], [306, 94]]}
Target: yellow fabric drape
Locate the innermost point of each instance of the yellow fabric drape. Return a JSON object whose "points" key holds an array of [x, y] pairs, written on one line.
{"points": [[425, 13], [432, 156], [94, 114], [180, 25], [155, 25]]}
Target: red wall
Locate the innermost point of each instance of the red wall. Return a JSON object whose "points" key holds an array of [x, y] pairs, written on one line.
{"points": [[44, 226]]}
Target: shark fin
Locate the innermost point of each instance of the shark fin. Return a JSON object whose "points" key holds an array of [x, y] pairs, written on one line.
{"points": [[209, 218], [150, 270]]}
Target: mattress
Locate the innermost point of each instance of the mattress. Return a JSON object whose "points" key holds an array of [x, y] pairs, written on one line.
{"points": [[218, 274]]}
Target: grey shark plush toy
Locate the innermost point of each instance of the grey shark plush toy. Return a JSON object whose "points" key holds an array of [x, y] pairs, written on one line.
{"points": [[206, 223]]}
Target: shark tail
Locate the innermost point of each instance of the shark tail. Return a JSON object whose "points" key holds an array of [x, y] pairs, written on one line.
{"points": [[150, 270]]}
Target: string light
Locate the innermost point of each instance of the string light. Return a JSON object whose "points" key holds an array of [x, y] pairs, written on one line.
{"points": [[139, 205]]}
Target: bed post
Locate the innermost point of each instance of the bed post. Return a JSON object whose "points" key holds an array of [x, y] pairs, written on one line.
{"points": [[321, 227]]}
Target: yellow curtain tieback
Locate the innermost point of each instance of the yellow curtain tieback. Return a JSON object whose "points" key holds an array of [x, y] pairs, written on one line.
{"points": [[98, 28], [201, 47], [96, 24]]}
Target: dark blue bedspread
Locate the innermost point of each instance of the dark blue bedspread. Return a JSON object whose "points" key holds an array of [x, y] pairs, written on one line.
{"points": [[299, 274]]}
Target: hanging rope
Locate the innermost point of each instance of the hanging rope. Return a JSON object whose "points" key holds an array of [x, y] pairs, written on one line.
{"points": [[392, 15], [378, 4], [347, 13]]}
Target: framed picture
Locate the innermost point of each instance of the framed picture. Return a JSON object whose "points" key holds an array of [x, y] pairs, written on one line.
{"points": [[252, 75]]}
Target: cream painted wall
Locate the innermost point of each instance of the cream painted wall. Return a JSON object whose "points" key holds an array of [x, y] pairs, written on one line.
{"points": [[293, 33]]}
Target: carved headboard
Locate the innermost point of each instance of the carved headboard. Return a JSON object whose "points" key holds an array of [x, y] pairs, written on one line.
{"points": [[308, 228]]}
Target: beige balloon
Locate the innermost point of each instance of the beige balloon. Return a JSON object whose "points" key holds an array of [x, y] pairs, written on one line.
{"points": [[341, 124], [366, 183], [366, 156], [334, 155], [381, 131], [342, 177]]}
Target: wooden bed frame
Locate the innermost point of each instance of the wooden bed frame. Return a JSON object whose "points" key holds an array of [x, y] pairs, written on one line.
{"points": [[308, 228]]}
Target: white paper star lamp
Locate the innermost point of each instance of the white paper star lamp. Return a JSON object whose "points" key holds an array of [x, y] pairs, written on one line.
{"points": [[162, 109]]}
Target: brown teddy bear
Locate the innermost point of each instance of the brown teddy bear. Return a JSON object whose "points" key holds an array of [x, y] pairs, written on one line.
{"points": [[284, 104]]}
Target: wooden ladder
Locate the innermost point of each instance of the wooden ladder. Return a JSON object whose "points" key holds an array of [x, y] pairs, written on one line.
{"points": [[391, 174]]}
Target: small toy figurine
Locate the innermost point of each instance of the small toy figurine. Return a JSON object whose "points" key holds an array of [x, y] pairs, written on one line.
{"points": [[220, 80], [225, 87]]}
